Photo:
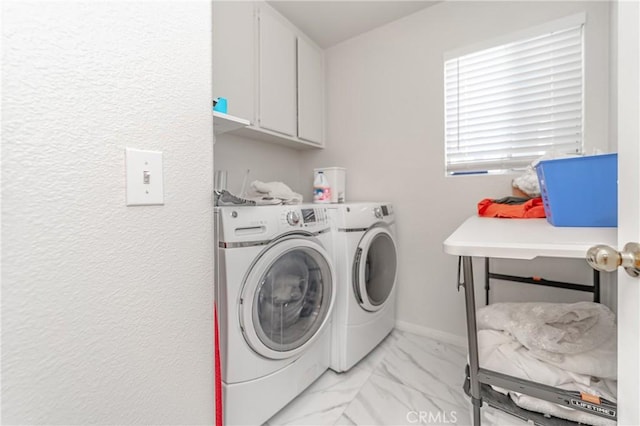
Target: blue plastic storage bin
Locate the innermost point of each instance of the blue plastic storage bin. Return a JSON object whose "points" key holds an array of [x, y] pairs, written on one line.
{"points": [[580, 191]]}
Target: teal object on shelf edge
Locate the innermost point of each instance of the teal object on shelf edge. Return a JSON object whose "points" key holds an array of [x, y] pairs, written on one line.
{"points": [[580, 191], [220, 105]]}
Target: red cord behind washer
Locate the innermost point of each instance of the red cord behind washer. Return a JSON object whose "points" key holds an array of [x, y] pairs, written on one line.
{"points": [[218, 379]]}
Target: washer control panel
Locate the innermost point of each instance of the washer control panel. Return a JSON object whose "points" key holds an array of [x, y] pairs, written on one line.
{"points": [[305, 217]]}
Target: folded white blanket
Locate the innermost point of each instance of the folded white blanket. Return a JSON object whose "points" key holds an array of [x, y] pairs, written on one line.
{"points": [[498, 351], [551, 330], [601, 361], [272, 193]]}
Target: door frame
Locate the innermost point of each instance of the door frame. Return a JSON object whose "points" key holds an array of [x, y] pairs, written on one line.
{"points": [[628, 98]]}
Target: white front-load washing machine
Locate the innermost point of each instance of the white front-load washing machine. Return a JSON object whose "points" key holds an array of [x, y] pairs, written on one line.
{"points": [[275, 290], [366, 265]]}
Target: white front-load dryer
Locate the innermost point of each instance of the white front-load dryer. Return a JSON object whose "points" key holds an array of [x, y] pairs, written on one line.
{"points": [[364, 247], [275, 290]]}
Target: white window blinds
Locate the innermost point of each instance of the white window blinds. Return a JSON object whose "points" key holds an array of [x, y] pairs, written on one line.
{"points": [[508, 105]]}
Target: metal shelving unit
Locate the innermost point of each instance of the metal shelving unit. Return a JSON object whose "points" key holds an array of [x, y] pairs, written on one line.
{"points": [[523, 239]]}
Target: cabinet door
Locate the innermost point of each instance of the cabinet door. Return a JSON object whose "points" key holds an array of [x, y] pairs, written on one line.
{"points": [[310, 92], [234, 60], [277, 82]]}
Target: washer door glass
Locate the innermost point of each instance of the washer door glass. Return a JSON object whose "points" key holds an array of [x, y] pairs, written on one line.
{"points": [[375, 268], [292, 298]]}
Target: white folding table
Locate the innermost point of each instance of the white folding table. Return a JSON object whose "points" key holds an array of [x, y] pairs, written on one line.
{"points": [[518, 239]]}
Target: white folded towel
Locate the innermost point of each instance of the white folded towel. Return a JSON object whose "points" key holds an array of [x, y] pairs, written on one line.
{"points": [[272, 193]]}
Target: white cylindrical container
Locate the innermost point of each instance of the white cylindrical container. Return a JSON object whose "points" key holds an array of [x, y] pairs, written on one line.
{"points": [[336, 177]]}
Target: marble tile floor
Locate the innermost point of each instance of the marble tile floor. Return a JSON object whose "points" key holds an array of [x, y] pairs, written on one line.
{"points": [[406, 380]]}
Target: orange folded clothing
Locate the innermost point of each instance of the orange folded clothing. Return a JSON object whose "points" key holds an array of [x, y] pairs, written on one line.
{"points": [[510, 207]]}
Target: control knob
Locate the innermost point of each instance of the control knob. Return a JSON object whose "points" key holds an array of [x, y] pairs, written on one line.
{"points": [[293, 218]]}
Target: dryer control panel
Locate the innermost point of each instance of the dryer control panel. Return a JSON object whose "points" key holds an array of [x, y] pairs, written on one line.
{"points": [[386, 209]]}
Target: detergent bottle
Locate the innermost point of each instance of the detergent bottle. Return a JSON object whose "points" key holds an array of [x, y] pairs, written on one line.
{"points": [[321, 189]]}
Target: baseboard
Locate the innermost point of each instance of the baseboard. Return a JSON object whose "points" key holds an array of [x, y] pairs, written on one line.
{"points": [[433, 333]]}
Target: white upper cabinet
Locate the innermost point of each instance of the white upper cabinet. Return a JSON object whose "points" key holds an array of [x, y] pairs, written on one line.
{"points": [[310, 92], [277, 75], [270, 73], [234, 62]]}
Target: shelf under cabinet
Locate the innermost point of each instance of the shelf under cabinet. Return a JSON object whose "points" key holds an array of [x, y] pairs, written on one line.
{"points": [[223, 123], [257, 133], [273, 137]]}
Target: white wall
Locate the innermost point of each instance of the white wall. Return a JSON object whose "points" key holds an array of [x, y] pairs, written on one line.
{"points": [[106, 309], [266, 162], [385, 125]]}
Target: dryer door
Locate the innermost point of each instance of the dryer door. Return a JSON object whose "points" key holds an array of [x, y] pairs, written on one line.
{"points": [[374, 268], [287, 297]]}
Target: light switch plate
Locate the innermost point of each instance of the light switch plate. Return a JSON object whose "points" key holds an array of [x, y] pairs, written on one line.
{"points": [[144, 177]]}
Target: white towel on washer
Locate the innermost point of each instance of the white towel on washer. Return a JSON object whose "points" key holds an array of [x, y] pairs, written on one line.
{"points": [[272, 193]]}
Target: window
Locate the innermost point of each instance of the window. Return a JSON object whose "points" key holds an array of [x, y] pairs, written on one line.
{"points": [[508, 105]]}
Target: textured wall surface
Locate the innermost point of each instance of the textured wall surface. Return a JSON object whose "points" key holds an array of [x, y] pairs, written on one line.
{"points": [[106, 309], [386, 126]]}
